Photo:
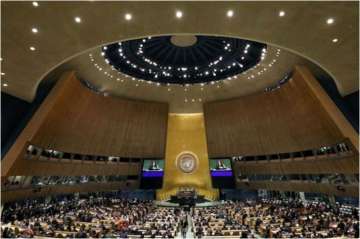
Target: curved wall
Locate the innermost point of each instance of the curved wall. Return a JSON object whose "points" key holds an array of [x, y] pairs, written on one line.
{"points": [[76, 120], [87, 123], [292, 118]]}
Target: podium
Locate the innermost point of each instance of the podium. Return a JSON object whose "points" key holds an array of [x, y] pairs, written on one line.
{"points": [[187, 197]]}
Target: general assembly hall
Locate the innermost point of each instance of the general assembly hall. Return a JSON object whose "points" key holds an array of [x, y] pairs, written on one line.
{"points": [[179, 119]]}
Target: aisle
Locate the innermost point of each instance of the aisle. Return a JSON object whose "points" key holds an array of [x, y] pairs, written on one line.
{"points": [[189, 233]]}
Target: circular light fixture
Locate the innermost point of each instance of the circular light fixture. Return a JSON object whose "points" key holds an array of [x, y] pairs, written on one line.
{"points": [[128, 16], [230, 13], [330, 21], [34, 30], [35, 4], [281, 13], [178, 14], [5, 85], [32, 48], [2, 73], [335, 40], [77, 19]]}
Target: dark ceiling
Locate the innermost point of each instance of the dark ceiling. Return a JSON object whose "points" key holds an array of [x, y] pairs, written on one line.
{"points": [[206, 59]]}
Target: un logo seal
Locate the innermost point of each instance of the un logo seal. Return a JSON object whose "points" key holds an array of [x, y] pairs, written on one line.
{"points": [[187, 162]]}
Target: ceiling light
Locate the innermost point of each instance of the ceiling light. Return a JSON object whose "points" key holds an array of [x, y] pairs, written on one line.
{"points": [[179, 14], [2, 73], [335, 40], [34, 30], [281, 13], [5, 85], [128, 16], [330, 21], [77, 19], [32, 48], [230, 13], [35, 4]]}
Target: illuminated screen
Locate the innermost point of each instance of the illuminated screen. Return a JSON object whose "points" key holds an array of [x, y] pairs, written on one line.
{"points": [[220, 168], [153, 168]]}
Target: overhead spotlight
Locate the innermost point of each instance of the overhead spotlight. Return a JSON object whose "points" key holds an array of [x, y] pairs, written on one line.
{"points": [[2, 73], [335, 40], [77, 19], [32, 48], [330, 21], [34, 30], [281, 13], [35, 4], [4, 84], [230, 13], [128, 16], [178, 14]]}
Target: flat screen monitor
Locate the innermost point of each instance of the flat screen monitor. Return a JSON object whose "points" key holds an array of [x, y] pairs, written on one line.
{"points": [[153, 168], [221, 168]]}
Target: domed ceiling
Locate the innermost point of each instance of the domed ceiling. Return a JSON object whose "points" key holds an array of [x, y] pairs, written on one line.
{"points": [[104, 71], [184, 59]]}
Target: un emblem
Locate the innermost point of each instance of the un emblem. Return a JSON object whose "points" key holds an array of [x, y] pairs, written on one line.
{"points": [[187, 162]]}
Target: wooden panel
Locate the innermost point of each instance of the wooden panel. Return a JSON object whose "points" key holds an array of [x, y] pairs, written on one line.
{"points": [[344, 165], [76, 120], [293, 186], [289, 119], [87, 123], [13, 195]]}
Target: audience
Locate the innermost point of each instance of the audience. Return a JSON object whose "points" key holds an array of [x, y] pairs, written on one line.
{"points": [[90, 217], [275, 218], [110, 216]]}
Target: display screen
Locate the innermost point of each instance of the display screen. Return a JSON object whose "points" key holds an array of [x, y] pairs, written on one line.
{"points": [[153, 168], [220, 168]]}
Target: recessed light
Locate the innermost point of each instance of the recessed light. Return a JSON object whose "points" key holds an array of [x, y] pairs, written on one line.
{"points": [[2, 73], [77, 19], [32, 48], [179, 14], [281, 13], [230, 13], [5, 85], [128, 16], [35, 4], [34, 30], [330, 21], [335, 40]]}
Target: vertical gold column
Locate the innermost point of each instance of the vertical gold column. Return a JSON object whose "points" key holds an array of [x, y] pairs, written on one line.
{"points": [[186, 133]]}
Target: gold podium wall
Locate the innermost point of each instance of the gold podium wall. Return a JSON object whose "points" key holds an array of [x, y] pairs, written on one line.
{"points": [[186, 133]]}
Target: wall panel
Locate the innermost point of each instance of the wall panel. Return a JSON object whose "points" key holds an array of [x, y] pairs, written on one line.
{"points": [[88, 123], [289, 119], [344, 165], [75, 119], [27, 193], [293, 186]]}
